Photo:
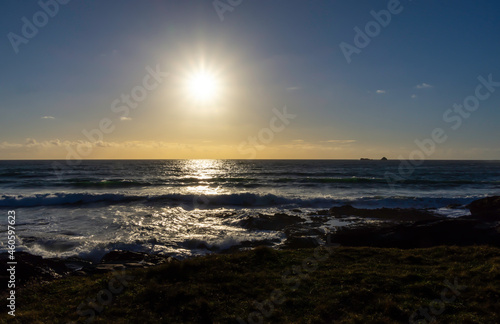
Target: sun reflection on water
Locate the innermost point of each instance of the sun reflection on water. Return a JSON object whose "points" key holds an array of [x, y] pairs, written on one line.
{"points": [[204, 170]]}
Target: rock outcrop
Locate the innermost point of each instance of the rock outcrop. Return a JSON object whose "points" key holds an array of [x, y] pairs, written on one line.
{"points": [[460, 232], [397, 214], [31, 268], [421, 229], [275, 222], [486, 208]]}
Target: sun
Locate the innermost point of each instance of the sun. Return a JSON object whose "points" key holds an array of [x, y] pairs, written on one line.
{"points": [[202, 86]]}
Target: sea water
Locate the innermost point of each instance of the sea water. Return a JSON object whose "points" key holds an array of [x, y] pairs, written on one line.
{"points": [[191, 207]]}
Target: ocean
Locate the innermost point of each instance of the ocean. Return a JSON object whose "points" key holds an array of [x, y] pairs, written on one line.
{"points": [[194, 207]]}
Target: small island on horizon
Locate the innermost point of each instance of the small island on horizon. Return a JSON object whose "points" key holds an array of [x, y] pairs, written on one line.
{"points": [[368, 159]]}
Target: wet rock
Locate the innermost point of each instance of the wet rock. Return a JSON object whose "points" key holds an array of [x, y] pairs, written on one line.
{"points": [[76, 263], [304, 231], [343, 211], [246, 245], [134, 265], [397, 214], [203, 246], [119, 256], [149, 264], [267, 222], [454, 206], [320, 218], [486, 208]]}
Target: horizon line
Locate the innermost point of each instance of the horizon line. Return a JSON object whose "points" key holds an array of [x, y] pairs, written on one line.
{"points": [[232, 159]]}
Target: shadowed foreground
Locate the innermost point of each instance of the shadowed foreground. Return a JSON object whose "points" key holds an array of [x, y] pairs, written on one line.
{"points": [[345, 285]]}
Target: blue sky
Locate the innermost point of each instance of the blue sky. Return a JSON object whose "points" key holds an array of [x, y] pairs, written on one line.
{"points": [[265, 54]]}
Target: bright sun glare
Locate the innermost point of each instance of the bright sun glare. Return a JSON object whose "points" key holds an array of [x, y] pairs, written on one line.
{"points": [[202, 86]]}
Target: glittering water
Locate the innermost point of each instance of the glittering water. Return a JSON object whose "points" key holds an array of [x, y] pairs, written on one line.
{"points": [[188, 207]]}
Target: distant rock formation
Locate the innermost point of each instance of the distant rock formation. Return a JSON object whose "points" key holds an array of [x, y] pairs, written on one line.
{"points": [[367, 159]]}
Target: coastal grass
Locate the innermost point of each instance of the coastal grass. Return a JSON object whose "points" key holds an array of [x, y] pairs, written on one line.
{"points": [[341, 285]]}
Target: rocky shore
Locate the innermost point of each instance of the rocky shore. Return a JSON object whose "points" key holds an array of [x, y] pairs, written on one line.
{"points": [[392, 228], [482, 227]]}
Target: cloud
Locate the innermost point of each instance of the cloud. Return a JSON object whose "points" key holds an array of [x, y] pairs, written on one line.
{"points": [[48, 117], [104, 144], [324, 146], [423, 86], [125, 118], [338, 141], [112, 53], [413, 96], [380, 91], [292, 88], [31, 141], [7, 145], [55, 142]]}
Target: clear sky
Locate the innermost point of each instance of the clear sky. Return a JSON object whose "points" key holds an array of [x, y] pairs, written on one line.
{"points": [[213, 81]]}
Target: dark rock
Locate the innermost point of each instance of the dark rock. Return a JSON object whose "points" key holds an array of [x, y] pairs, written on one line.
{"points": [[31, 268], [320, 213], [486, 208], [303, 231], [454, 206], [296, 210], [80, 273], [305, 242], [460, 232], [203, 246], [397, 214], [267, 222], [383, 159], [249, 244], [76, 263], [121, 256], [320, 219], [346, 210]]}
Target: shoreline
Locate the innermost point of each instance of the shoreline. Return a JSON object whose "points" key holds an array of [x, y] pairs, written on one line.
{"points": [[368, 273], [383, 228]]}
